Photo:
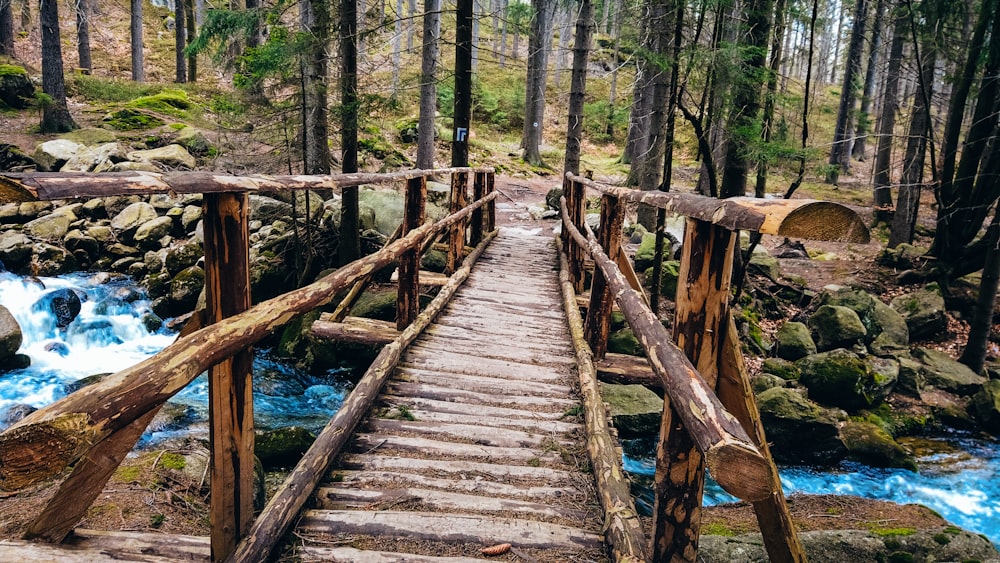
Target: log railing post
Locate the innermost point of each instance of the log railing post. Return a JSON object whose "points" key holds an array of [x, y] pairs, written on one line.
{"points": [[601, 300], [701, 319], [459, 199], [230, 390], [491, 208], [478, 191], [576, 211], [408, 293]]}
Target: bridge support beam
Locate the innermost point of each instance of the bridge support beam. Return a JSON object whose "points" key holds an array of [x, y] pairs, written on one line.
{"points": [[230, 390]]}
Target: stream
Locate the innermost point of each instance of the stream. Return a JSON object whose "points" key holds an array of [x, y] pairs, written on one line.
{"points": [[115, 328]]}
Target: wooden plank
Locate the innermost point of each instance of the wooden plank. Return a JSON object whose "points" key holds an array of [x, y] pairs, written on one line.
{"points": [[484, 326], [326, 554], [511, 387], [369, 443], [357, 329], [337, 497], [446, 393], [473, 364], [526, 424], [627, 369], [463, 408], [230, 385], [427, 278], [456, 528], [452, 467], [378, 479], [443, 336], [486, 435]]}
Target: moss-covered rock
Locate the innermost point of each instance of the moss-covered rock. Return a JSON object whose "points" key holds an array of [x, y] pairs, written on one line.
{"points": [[635, 410], [872, 445], [801, 431], [194, 141], [13, 159], [90, 136], [646, 252], [843, 379], [923, 311], [986, 406], [283, 447], [941, 371], [623, 341], [764, 381], [16, 89], [836, 327], [172, 101], [782, 368], [186, 286], [794, 341], [132, 120], [668, 277]]}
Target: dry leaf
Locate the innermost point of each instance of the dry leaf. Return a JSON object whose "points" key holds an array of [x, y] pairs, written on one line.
{"points": [[498, 549]]}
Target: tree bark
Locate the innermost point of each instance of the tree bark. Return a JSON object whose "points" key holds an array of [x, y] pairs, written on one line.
{"points": [[864, 118], [135, 28], [534, 97], [190, 18], [315, 17], [180, 41], [767, 120], [428, 84], [638, 125], [7, 28], [887, 123], [55, 113], [83, 12], [578, 86], [463, 85], [350, 222], [840, 153]]}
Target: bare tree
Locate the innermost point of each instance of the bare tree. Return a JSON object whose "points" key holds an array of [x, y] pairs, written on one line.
{"points": [[578, 86], [840, 154], [55, 113], [428, 84], [83, 33], [534, 97], [138, 73], [350, 236], [180, 41], [887, 123]]}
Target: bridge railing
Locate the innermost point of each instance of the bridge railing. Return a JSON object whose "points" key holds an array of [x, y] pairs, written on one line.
{"points": [[710, 417], [94, 428]]}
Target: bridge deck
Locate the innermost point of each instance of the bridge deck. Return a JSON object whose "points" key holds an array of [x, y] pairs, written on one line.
{"points": [[476, 440]]}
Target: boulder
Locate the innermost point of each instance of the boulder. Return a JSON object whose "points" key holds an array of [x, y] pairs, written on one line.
{"points": [[90, 136], [871, 445], [800, 430], [646, 252], [10, 335], [149, 233], [49, 227], [95, 159], [843, 379], [911, 380], [765, 264], [624, 341], [12, 159], [183, 256], [836, 327], [173, 156], [16, 89], [268, 209], [635, 410], [794, 341], [132, 217], [764, 381], [945, 373], [15, 249], [63, 304], [77, 241], [923, 311], [190, 216], [50, 156], [889, 330], [782, 368], [282, 447], [668, 277], [552, 198], [15, 412], [194, 141], [51, 260], [29, 210], [130, 166], [985, 405], [185, 288]]}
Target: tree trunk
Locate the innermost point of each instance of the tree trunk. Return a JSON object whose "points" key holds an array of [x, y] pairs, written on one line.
{"points": [[138, 73], [476, 14], [180, 41], [412, 4], [534, 98], [55, 114], [746, 96], [863, 121], [428, 84], [82, 33], [316, 23], [767, 121], [7, 28], [887, 123], [981, 326], [503, 34], [192, 31], [840, 153], [463, 91], [25, 15], [397, 39], [350, 222], [911, 183], [578, 86], [638, 123]]}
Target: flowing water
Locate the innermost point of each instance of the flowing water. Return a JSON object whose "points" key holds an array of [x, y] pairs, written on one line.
{"points": [[115, 329], [958, 475]]}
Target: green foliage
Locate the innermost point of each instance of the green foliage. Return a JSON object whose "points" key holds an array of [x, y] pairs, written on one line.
{"points": [[900, 557], [600, 117], [96, 89], [171, 102], [890, 532], [157, 520], [132, 120], [172, 460], [499, 103], [8, 70], [718, 529]]}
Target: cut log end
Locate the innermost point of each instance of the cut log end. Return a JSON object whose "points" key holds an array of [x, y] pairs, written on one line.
{"points": [[741, 470], [33, 452]]}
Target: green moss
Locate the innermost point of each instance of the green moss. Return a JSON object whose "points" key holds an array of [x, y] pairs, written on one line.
{"points": [[534, 462], [170, 102], [718, 529], [890, 532], [573, 411], [132, 120], [400, 412], [892, 543], [176, 126], [9, 70], [172, 460], [942, 538], [157, 520], [953, 530], [900, 557], [127, 474]]}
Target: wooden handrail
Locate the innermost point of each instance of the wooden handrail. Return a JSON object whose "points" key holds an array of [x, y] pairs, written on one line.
{"points": [[47, 186], [46, 442], [735, 462]]}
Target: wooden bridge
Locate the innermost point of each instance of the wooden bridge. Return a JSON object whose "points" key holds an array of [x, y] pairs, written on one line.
{"points": [[478, 432]]}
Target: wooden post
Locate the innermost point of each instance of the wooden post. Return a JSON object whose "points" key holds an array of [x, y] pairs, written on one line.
{"points": [[230, 390], [478, 191], [702, 309], [775, 520], [491, 209], [456, 242], [601, 300], [577, 216], [408, 293]]}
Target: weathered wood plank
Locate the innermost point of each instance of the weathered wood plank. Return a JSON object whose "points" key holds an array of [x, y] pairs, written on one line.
{"points": [[475, 364], [326, 554], [427, 278], [485, 326], [530, 425], [369, 443], [511, 386], [338, 497], [486, 435], [626, 369], [471, 468], [443, 337], [424, 403], [356, 329], [477, 486], [445, 393], [460, 528]]}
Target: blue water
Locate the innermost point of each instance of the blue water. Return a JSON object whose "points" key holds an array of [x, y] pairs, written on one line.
{"points": [[958, 477], [111, 333]]}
